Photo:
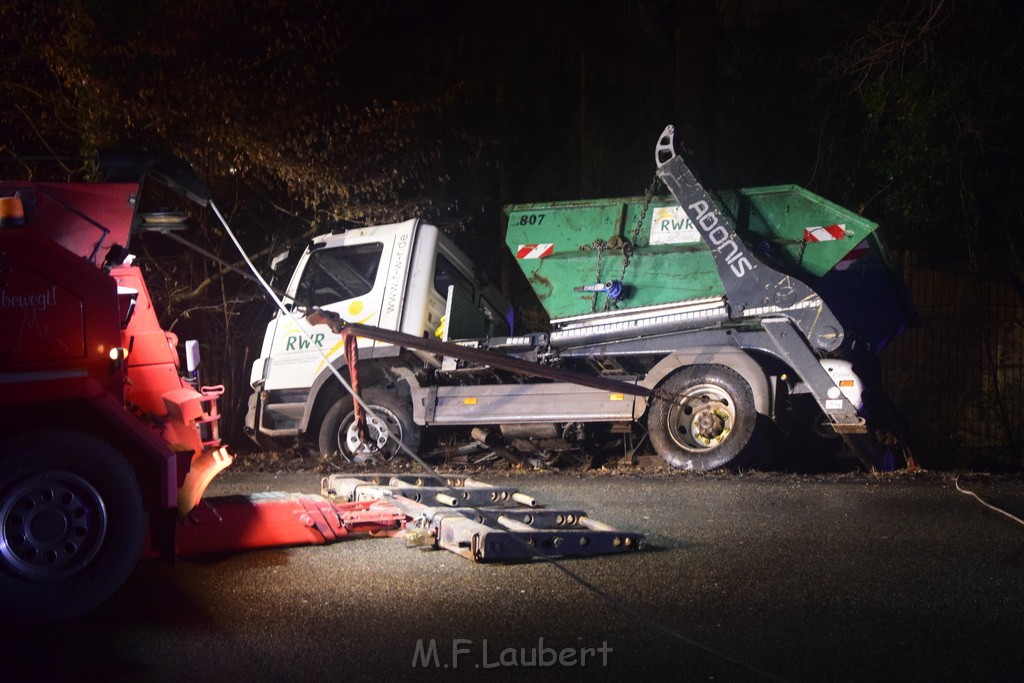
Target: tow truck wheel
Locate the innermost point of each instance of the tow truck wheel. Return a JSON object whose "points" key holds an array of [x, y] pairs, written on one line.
{"points": [[390, 424], [710, 421], [71, 524]]}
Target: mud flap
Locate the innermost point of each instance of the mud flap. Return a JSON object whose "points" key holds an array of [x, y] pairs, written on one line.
{"points": [[205, 466]]}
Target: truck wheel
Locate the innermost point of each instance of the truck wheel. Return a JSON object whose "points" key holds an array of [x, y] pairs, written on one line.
{"points": [[390, 425], [71, 524], [709, 423]]}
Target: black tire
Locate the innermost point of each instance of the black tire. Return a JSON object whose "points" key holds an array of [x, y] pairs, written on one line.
{"points": [[71, 524], [393, 424], [710, 421]]}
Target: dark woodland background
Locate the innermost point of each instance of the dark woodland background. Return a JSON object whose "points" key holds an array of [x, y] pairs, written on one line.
{"points": [[301, 116]]}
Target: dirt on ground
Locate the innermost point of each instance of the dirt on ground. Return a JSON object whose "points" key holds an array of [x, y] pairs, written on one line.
{"points": [[642, 465]]}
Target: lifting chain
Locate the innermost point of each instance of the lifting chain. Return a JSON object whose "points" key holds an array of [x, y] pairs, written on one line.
{"points": [[599, 246], [630, 244], [616, 242]]}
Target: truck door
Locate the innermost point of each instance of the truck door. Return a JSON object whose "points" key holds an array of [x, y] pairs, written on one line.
{"points": [[347, 279]]}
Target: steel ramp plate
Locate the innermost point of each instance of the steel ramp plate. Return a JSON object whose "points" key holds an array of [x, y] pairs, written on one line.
{"points": [[540, 518], [483, 543], [453, 496], [346, 486], [482, 522]]}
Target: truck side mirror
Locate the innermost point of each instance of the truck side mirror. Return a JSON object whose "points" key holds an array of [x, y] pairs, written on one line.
{"points": [[277, 260], [282, 264]]}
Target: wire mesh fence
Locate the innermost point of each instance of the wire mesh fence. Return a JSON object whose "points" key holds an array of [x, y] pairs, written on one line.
{"points": [[958, 378]]}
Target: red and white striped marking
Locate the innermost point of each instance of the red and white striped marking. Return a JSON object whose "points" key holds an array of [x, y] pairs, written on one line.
{"points": [[853, 256], [535, 250], [826, 233]]}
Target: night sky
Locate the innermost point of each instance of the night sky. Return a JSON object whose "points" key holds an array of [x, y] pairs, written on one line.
{"points": [[363, 110]]}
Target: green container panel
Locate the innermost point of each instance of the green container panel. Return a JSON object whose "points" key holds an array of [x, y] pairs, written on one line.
{"points": [[554, 245], [781, 214]]}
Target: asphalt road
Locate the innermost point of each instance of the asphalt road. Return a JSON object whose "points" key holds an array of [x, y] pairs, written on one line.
{"points": [[748, 578]]}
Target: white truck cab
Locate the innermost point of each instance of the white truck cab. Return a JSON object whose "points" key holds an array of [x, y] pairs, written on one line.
{"points": [[403, 276]]}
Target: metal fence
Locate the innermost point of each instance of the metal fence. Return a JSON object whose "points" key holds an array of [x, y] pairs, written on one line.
{"points": [[958, 378]]}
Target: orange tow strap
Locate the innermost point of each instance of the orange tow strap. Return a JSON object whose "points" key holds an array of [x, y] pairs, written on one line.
{"points": [[352, 360]]}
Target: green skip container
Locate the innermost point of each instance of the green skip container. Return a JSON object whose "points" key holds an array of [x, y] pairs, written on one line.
{"points": [[567, 250]]}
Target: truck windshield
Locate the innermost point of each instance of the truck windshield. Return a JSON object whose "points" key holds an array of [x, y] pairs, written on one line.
{"points": [[333, 275]]}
